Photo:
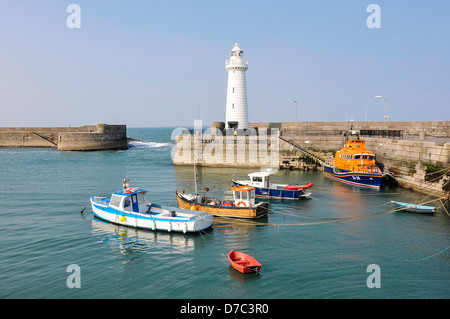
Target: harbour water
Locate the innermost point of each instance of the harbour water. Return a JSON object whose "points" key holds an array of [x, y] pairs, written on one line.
{"points": [[316, 248]]}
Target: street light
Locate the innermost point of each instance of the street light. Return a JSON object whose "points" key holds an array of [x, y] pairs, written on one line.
{"points": [[385, 108], [296, 110]]}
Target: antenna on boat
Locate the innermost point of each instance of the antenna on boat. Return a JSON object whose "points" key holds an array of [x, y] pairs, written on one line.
{"points": [[195, 181], [125, 183]]}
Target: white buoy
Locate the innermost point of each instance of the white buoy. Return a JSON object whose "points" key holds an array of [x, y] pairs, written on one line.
{"points": [[170, 227], [185, 228], [154, 225], [236, 107]]}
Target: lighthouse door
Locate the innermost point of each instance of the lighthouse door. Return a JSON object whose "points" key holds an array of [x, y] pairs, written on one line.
{"points": [[232, 124]]}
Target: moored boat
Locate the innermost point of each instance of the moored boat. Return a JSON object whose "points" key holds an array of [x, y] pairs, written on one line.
{"points": [[414, 208], [353, 164], [243, 263], [129, 207], [242, 206], [264, 188]]}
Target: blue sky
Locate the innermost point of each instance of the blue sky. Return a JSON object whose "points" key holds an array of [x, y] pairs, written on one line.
{"points": [[152, 63]]}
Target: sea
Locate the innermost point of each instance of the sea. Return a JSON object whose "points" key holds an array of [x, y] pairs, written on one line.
{"points": [[343, 243]]}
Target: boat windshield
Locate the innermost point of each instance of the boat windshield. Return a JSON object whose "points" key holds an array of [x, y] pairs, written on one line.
{"points": [[141, 198], [115, 200]]}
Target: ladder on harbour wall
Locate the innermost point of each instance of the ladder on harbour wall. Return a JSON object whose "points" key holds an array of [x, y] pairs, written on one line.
{"points": [[318, 159], [45, 138]]}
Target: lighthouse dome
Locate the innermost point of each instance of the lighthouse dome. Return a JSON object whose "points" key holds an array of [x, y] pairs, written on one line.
{"points": [[236, 51]]}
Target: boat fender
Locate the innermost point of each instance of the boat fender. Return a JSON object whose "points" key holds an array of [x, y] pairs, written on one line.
{"points": [[193, 207], [239, 204], [185, 228], [169, 229], [154, 225], [123, 218]]}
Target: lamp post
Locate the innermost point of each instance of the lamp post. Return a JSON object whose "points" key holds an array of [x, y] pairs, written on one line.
{"points": [[296, 110], [385, 109]]}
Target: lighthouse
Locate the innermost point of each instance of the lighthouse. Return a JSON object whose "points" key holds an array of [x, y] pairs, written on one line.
{"points": [[236, 107]]}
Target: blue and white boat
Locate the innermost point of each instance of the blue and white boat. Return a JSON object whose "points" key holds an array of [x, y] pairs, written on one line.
{"points": [[263, 188], [421, 209], [129, 207]]}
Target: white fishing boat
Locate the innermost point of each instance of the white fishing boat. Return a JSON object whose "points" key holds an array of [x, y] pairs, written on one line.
{"points": [[129, 207], [414, 208]]}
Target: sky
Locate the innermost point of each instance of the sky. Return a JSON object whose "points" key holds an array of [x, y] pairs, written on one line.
{"points": [[162, 63]]}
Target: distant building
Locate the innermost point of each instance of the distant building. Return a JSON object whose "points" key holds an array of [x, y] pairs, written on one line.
{"points": [[236, 107]]}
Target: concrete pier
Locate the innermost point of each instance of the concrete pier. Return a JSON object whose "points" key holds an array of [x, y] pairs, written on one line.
{"points": [[84, 138]]}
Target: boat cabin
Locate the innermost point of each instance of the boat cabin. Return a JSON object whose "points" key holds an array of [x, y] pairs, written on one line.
{"points": [[131, 200], [355, 157], [243, 196], [259, 179]]}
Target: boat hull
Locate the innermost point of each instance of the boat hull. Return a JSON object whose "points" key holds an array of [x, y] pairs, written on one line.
{"points": [[370, 180], [238, 212], [277, 193], [243, 263], [420, 209], [184, 222]]}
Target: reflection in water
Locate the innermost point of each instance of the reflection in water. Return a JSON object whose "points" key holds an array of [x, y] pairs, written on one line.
{"points": [[132, 240], [243, 278], [349, 200], [239, 224]]}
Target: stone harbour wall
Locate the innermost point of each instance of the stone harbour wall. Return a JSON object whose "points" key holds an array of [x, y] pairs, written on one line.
{"points": [[410, 158], [86, 138]]}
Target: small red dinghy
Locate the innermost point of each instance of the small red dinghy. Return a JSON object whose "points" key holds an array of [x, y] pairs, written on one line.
{"points": [[299, 186], [243, 262]]}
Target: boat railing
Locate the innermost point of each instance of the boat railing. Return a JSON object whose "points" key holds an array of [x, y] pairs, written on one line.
{"points": [[368, 169], [100, 199], [359, 169], [185, 215]]}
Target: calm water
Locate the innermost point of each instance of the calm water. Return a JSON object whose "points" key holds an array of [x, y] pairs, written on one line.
{"points": [[307, 248]]}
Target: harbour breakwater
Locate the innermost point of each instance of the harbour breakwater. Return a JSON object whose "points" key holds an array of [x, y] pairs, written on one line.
{"points": [[83, 138], [414, 154]]}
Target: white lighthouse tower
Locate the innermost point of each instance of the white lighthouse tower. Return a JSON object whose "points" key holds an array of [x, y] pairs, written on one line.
{"points": [[236, 108]]}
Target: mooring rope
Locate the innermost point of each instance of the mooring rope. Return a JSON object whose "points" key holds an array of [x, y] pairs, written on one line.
{"points": [[425, 258], [317, 190], [443, 206], [326, 221]]}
